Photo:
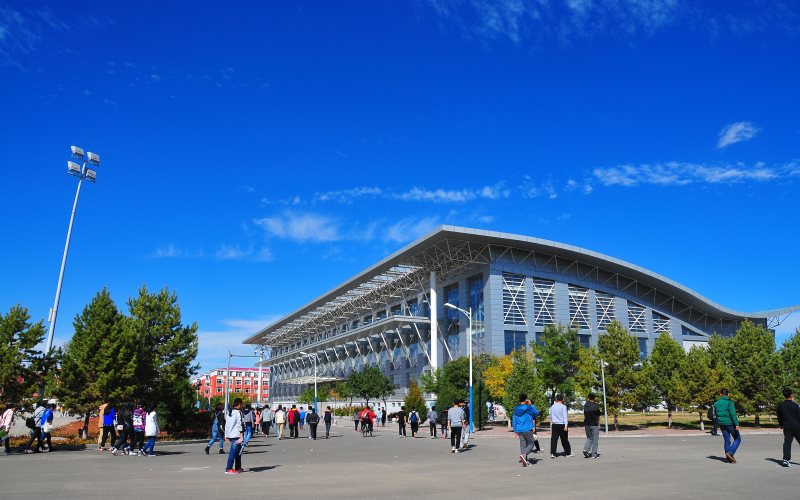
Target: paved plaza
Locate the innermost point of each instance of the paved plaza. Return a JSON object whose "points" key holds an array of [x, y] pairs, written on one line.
{"points": [[384, 466]]}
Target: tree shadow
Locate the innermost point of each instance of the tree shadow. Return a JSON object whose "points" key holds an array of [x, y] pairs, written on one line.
{"points": [[263, 468], [714, 457]]}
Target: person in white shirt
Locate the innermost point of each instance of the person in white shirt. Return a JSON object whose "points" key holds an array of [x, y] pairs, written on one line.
{"points": [[559, 425], [280, 422], [234, 432]]}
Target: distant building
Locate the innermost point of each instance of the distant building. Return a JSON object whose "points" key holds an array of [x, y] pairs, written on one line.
{"points": [[514, 285], [242, 380]]}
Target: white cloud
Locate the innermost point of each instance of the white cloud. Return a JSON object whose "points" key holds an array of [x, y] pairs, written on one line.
{"points": [[679, 174], [232, 332], [410, 229], [349, 195], [486, 219], [301, 226], [736, 132], [173, 251], [235, 252]]}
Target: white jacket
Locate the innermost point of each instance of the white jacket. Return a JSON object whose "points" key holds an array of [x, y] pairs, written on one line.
{"points": [[151, 424], [233, 424], [280, 417]]}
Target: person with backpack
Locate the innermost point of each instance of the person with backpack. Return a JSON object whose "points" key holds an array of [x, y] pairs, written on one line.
{"points": [[312, 419], [522, 423], [413, 419], [234, 433], [218, 429], [109, 419], [328, 419], [34, 424], [267, 415], [712, 415], [294, 422], [433, 415], [125, 428], [280, 422], [729, 425], [789, 421], [248, 417], [151, 431], [139, 422], [6, 423]]}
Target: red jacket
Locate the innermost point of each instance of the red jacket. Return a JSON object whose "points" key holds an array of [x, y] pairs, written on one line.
{"points": [[294, 416]]}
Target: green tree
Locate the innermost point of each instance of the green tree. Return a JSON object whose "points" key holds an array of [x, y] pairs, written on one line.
{"points": [[307, 396], [345, 391], [620, 351], [756, 368], [220, 399], [167, 350], [523, 380], [701, 380], [18, 354], [369, 383], [663, 370], [557, 363], [790, 355], [496, 375], [99, 361], [415, 401], [451, 383]]}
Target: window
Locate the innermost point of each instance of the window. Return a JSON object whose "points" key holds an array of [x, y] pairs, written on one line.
{"points": [[247, 390], [219, 389], [514, 299], [475, 287], [452, 318], [515, 340], [413, 307], [396, 310], [642, 349], [578, 307], [586, 340], [354, 325], [604, 309], [544, 302], [219, 380], [636, 319], [380, 315], [367, 320], [660, 324]]}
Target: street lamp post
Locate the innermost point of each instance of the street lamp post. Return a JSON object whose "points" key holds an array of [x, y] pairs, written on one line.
{"points": [[603, 365], [82, 172], [468, 314], [315, 377]]}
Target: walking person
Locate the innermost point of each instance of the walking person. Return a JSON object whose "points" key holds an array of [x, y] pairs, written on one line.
{"points": [[109, 419], [217, 429], [280, 422], [522, 424], [248, 416], [729, 425], [356, 419], [34, 424], [465, 433], [266, 420], [303, 415], [712, 415], [383, 417], [294, 422], [413, 419], [455, 422], [402, 420], [47, 426], [6, 423], [591, 422], [443, 421], [559, 427], [139, 423], [234, 433], [433, 417], [789, 421], [125, 427], [151, 431], [100, 411], [312, 419], [328, 419]]}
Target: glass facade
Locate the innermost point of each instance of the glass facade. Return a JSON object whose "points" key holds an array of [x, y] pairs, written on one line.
{"points": [[452, 318], [515, 340]]}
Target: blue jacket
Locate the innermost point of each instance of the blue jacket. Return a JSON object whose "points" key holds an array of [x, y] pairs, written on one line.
{"points": [[46, 416], [110, 417], [522, 421]]}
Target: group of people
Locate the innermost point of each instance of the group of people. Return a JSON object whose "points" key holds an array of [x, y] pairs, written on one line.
{"points": [[132, 428], [366, 415]]}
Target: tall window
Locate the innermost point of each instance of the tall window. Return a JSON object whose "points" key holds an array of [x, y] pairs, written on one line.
{"points": [[642, 349], [544, 302], [475, 288], [604, 309], [515, 340], [660, 324], [452, 317], [413, 307], [578, 307], [514, 299], [637, 324], [585, 340]]}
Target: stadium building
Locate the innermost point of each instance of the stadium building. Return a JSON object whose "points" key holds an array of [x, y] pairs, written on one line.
{"points": [[513, 285]]}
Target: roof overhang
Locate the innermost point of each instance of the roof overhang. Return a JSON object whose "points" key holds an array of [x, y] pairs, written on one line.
{"points": [[310, 379]]}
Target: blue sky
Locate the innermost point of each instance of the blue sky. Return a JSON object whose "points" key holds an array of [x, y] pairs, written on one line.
{"points": [[255, 156]]}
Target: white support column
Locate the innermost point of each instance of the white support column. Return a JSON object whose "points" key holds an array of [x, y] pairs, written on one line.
{"points": [[434, 305]]}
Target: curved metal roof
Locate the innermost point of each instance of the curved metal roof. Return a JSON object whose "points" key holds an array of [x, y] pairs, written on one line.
{"points": [[408, 259]]}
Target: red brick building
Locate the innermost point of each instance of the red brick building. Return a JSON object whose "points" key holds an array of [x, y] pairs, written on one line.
{"points": [[243, 380]]}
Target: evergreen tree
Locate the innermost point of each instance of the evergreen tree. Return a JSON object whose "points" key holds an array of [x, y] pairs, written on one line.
{"points": [[99, 361], [620, 350], [18, 354], [756, 369], [663, 368], [790, 355], [415, 401], [166, 353], [701, 380], [524, 380], [557, 363]]}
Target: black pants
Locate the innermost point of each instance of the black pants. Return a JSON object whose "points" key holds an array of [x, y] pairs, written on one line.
{"points": [[559, 431], [414, 428], [356, 422], [36, 435], [714, 426], [265, 427], [46, 437], [383, 420], [293, 430], [327, 429], [455, 437], [122, 440], [138, 440], [401, 429], [312, 430], [433, 429], [108, 429], [789, 435]]}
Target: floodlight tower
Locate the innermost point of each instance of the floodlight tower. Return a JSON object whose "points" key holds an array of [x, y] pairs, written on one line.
{"points": [[82, 172]]}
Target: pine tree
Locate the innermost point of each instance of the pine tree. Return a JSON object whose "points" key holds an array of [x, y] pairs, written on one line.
{"points": [[99, 361], [620, 351], [790, 354], [756, 369], [18, 354], [415, 401], [523, 380], [557, 363], [663, 368], [701, 380]]}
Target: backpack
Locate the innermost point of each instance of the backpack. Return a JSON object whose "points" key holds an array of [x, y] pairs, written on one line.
{"points": [[712, 412], [313, 418], [414, 417], [30, 423]]}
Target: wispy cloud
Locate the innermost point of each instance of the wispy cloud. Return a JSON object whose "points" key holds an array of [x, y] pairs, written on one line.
{"points": [[736, 132], [301, 226], [228, 335], [235, 252], [440, 195], [171, 250], [410, 228], [680, 174], [347, 196]]}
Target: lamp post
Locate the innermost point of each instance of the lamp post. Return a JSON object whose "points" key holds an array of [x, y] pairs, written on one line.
{"points": [[468, 314], [316, 410], [603, 365], [82, 172]]}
